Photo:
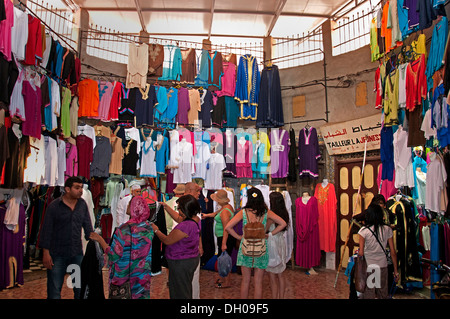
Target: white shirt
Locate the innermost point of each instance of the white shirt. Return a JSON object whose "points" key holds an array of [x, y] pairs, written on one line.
{"points": [[148, 163], [404, 172], [214, 174], [61, 163], [436, 173], [201, 158], [51, 161], [89, 131], [35, 168], [184, 160], [121, 214], [19, 34]]}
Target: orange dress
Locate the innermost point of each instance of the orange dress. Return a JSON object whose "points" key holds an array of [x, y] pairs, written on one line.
{"points": [[327, 204]]}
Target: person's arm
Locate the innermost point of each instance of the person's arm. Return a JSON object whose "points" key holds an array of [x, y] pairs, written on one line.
{"points": [[394, 258], [175, 216], [46, 238], [87, 224], [213, 214], [225, 219], [229, 228], [99, 239], [175, 235], [281, 224], [361, 245]]}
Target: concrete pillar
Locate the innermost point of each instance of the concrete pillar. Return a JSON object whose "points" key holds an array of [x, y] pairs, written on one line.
{"points": [[81, 23], [327, 39]]}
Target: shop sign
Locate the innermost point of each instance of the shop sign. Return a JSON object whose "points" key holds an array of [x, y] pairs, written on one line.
{"points": [[350, 137]]}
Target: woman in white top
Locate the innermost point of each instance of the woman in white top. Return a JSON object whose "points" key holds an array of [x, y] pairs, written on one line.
{"points": [[373, 250]]}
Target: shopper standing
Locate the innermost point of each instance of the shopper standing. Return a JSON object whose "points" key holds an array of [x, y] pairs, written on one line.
{"points": [[182, 248], [60, 236]]}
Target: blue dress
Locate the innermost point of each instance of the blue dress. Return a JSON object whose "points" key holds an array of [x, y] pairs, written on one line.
{"points": [[248, 77]]}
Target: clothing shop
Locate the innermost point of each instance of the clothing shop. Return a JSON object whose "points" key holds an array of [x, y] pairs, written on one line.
{"points": [[329, 134]]}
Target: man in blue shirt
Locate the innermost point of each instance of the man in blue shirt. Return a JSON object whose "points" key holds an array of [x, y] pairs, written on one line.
{"points": [[60, 236]]}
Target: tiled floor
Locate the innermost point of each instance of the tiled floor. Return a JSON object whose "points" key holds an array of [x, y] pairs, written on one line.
{"points": [[299, 286]]}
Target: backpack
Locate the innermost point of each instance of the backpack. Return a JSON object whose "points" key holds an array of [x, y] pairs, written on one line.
{"points": [[254, 240]]}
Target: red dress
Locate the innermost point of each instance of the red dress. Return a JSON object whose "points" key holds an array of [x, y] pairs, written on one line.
{"points": [[327, 204], [307, 230]]}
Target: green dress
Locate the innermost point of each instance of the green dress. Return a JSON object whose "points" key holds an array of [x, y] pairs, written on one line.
{"points": [[252, 262]]}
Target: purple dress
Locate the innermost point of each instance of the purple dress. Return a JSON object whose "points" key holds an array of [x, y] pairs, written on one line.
{"points": [[11, 253], [307, 229], [279, 153], [183, 106], [308, 152]]}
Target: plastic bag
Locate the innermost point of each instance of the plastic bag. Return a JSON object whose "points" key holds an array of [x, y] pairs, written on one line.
{"points": [[224, 264], [274, 252]]}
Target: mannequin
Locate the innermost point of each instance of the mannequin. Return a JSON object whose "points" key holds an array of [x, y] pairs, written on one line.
{"points": [[305, 197], [421, 186], [324, 182]]}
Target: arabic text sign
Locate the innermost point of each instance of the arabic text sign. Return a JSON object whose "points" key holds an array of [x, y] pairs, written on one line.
{"points": [[350, 137]]}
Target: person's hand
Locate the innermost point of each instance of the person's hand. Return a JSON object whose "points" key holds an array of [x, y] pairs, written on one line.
{"points": [[224, 246], [396, 276], [94, 236], [47, 260], [155, 228]]}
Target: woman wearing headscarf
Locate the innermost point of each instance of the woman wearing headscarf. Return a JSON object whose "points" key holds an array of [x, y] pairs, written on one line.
{"points": [[130, 251]]}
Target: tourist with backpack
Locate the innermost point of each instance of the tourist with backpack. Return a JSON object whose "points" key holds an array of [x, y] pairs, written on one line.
{"points": [[253, 252]]}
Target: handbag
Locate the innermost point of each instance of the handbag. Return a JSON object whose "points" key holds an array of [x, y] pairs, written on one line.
{"points": [[360, 273], [122, 291]]}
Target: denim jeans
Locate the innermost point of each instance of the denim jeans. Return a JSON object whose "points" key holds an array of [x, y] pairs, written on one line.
{"points": [[55, 276]]}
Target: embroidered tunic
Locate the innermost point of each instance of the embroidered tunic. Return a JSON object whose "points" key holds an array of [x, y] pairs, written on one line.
{"points": [[308, 152], [279, 152], [137, 67], [247, 86]]}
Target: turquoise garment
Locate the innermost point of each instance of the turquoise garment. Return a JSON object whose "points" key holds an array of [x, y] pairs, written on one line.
{"points": [[252, 262], [259, 166], [172, 64], [161, 106], [203, 74], [437, 49], [218, 228], [162, 154], [169, 115], [403, 19]]}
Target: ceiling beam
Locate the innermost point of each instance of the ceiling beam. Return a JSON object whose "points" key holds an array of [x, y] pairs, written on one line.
{"points": [[141, 18], [280, 7], [220, 11], [213, 4]]}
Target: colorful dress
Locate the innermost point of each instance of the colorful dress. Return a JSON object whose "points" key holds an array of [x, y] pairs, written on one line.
{"points": [[138, 265], [307, 229], [252, 262], [308, 152], [279, 152], [248, 81], [327, 204]]}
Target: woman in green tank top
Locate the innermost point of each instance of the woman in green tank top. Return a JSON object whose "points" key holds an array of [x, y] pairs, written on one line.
{"points": [[225, 242]]}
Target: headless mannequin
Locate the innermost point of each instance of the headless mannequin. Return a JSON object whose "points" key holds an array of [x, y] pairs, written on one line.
{"points": [[324, 182], [305, 199]]}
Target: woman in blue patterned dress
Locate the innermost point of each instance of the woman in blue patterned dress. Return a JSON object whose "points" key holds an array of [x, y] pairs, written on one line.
{"points": [[133, 237]]}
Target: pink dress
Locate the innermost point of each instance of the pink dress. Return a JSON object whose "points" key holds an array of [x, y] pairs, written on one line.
{"points": [[307, 229], [32, 101], [5, 30], [243, 159]]}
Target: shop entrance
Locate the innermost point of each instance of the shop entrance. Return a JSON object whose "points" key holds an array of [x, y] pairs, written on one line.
{"points": [[348, 180]]}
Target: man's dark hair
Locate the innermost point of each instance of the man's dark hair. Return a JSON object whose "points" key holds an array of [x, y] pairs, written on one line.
{"points": [[71, 180]]}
